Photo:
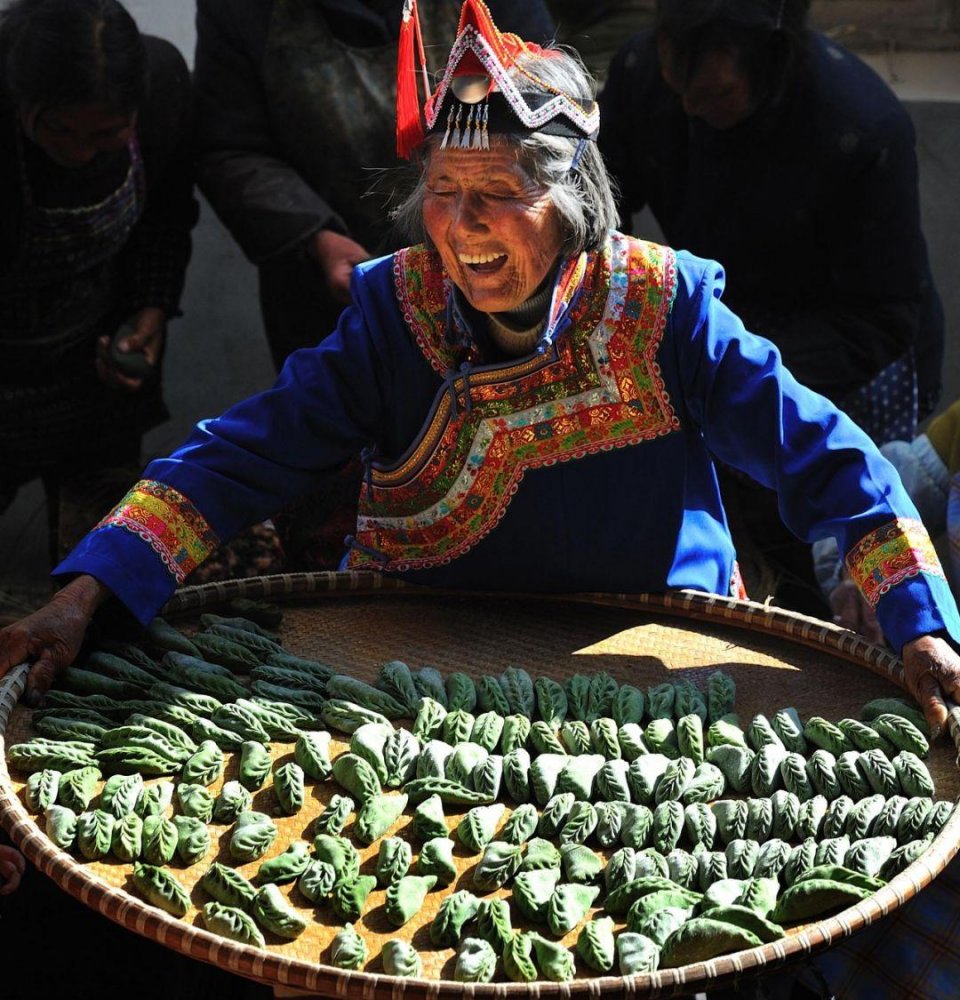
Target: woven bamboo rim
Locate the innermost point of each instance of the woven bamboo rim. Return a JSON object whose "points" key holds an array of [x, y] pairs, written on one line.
{"points": [[279, 970]]}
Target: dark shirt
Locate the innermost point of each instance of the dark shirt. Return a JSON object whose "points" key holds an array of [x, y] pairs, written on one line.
{"points": [[811, 206], [153, 261], [268, 186]]}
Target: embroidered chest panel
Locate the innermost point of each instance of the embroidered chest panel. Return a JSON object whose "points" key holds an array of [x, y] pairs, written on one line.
{"points": [[597, 388]]}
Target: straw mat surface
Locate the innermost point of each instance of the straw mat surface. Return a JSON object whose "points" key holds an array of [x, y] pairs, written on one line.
{"points": [[643, 641]]}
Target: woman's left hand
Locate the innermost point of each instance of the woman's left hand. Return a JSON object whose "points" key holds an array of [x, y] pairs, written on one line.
{"points": [[149, 328], [932, 670]]}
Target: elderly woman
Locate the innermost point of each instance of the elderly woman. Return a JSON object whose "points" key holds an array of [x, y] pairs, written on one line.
{"points": [[539, 401]]}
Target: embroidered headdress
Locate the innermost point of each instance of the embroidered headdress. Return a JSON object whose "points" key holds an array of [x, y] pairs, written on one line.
{"points": [[481, 92]]}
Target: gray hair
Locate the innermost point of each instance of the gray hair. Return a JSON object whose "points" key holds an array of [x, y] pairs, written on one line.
{"points": [[575, 178]]}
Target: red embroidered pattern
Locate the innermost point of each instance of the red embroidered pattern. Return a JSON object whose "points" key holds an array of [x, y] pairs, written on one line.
{"points": [[601, 389], [168, 522], [889, 555]]}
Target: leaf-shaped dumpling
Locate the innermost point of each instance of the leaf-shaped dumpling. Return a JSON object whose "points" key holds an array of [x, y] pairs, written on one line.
{"points": [[532, 891], [204, 766], [356, 776], [350, 895], [515, 733], [490, 696], [287, 866], [518, 957], [596, 944], [516, 774], [127, 844], [518, 689], [456, 910], [193, 839], [158, 886], [231, 923], [228, 886], [377, 815], [429, 721], [461, 692], [317, 881], [476, 961], [338, 852], [580, 864], [478, 826], [498, 865], [232, 800], [333, 818], [396, 679], [393, 860], [520, 825], [312, 752], [255, 765], [494, 924], [636, 953], [368, 742], [721, 695], [405, 897], [556, 962], [348, 950], [551, 701], [159, 840], [95, 834], [400, 958], [400, 752], [429, 684], [436, 858], [251, 837]]}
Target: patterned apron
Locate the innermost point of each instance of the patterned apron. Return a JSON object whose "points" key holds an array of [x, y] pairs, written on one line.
{"points": [[61, 293]]}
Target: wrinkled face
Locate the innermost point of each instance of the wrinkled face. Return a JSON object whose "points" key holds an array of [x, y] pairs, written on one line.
{"points": [[497, 232], [717, 91], [73, 135]]}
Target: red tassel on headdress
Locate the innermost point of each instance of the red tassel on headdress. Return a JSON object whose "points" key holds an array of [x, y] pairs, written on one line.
{"points": [[410, 131]]}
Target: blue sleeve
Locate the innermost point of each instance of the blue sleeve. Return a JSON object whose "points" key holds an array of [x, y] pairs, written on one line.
{"points": [[237, 469], [829, 477]]}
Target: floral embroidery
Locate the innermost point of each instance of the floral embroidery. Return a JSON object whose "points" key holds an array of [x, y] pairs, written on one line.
{"points": [[889, 555], [596, 389], [168, 522]]}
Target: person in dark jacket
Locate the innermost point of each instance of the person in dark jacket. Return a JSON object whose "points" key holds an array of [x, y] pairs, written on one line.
{"points": [[96, 208], [768, 147]]}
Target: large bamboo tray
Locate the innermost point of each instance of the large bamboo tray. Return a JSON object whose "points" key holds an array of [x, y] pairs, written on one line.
{"points": [[357, 621]]}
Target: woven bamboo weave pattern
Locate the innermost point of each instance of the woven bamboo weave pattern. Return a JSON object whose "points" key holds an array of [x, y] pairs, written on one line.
{"points": [[637, 640]]}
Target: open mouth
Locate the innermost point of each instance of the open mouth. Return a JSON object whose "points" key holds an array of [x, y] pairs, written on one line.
{"points": [[483, 263]]}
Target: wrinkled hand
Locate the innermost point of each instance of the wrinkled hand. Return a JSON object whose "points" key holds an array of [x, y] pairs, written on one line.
{"points": [[851, 611], [932, 671], [336, 255], [51, 637], [12, 866], [147, 337]]}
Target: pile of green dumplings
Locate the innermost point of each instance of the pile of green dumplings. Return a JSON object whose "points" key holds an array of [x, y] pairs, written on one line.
{"points": [[653, 824]]}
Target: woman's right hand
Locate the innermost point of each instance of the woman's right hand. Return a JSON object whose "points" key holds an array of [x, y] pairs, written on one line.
{"points": [[51, 637]]}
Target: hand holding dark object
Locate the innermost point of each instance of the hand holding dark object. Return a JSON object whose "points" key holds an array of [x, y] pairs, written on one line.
{"points": [[51, 637], [933, 671], [12, 866], [134, 352], [336, 255], [851, 611]]}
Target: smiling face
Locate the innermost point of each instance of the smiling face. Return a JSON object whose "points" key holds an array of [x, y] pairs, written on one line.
{"points": [[72, 136], [497, 232]]}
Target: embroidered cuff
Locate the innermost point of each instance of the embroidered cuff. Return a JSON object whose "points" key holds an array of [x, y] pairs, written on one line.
{"points": [[889, 555], [168, 522]]}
